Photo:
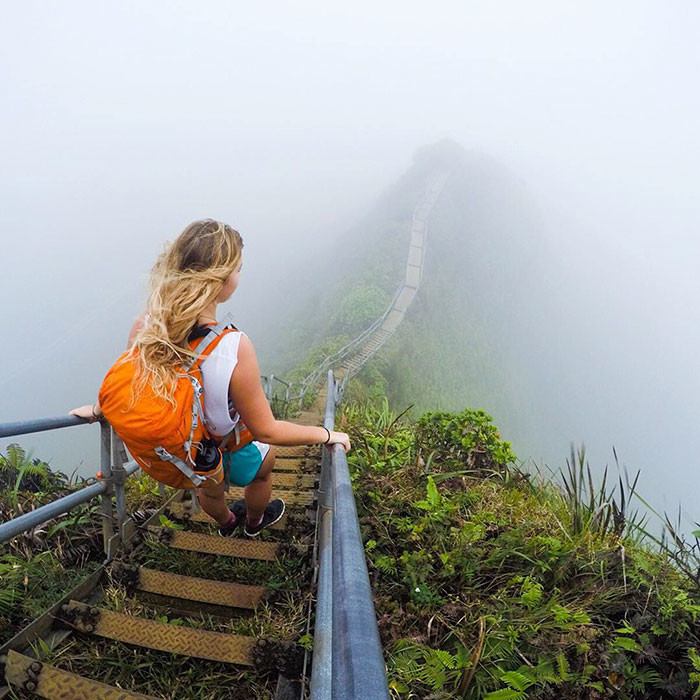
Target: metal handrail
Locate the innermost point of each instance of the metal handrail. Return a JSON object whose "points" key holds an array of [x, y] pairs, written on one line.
{"points": [[114, 470], [60, 506], [348, 663], [39, 425], [310, 380], [273, 377]]}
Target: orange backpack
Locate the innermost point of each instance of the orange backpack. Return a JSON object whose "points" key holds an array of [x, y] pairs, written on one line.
{"points": [[171, 444]]}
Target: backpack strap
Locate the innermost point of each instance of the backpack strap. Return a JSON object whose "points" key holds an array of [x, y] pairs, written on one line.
{"points": [[197, 413], [196, 479], [212, 334], [236, 432]]}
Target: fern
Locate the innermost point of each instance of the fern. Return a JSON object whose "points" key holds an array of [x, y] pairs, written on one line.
{"points": [[506, 694], [16, 456], [564, 668], [433, 668], [519, 680]]}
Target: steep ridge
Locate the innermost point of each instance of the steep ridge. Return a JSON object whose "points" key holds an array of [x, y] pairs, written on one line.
{"points": [[408, 289], [164, 567], [347, 361]]}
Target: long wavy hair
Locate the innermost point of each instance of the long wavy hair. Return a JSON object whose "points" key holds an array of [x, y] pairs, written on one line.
{"points": [[186, 278]]}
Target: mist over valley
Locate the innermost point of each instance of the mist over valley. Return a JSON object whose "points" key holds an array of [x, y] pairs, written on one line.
{"points": [[560, 288]]}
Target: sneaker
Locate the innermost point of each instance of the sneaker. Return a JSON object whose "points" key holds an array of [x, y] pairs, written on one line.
{"points": [[273, 513], [238, 509]]}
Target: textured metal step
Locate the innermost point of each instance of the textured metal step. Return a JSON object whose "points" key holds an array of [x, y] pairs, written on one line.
{"points": [[202, 644], [299, 498], [234, 595], [295, 481], [47, 681], [287, 464], [292, 451], [180, 510], [215, 544]]}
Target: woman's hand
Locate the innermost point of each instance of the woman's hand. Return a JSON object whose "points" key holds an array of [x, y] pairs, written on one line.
{"points": [[87, 412], [338, 439]]}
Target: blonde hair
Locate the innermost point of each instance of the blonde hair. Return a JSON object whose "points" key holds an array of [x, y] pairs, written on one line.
{"points": [[186, 278]]}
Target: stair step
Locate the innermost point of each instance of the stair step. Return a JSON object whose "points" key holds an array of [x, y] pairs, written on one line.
{"points": [[308, 418], [47, 681], [300, 498], [234, 595], [180, 510], [287, 464], [296, 481], [215, 544], [201, 644], [292, 451]]}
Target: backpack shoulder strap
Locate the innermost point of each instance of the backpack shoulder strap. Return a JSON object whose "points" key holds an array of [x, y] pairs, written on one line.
{"points": [[213, 335]]}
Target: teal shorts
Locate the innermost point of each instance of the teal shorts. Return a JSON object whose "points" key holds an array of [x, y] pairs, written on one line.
{"points": [[243, 465]]}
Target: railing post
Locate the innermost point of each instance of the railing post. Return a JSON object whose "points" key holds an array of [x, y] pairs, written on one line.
{"points": [[119, 478], [195, 507], [106, 475]]}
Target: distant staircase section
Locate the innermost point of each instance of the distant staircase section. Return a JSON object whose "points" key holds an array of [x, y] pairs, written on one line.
{"points": [[387, 324], [348, 361]]}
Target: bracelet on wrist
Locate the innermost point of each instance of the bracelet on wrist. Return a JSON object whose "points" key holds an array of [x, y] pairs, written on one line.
{"points": [[328, 439], [94, 415]]}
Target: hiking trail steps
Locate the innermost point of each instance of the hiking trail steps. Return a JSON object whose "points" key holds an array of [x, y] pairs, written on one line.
{"points": [[25, 671], [408, 289], [295, 479]]}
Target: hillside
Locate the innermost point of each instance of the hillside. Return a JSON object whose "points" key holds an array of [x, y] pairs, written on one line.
{"points": [[490, 584], [459, 344]]}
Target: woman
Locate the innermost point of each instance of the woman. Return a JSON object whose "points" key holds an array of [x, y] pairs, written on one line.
{"points": [[198, 271]]}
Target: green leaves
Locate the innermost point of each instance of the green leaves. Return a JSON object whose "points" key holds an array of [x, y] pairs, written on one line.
{"points": [[458, 438], [531, 592], [455, 538], [506, 694], [517, 680], [434, 502], [306, 641], [694, 658], [433, 668], [166, 522], [627, 644], [433, 496]]}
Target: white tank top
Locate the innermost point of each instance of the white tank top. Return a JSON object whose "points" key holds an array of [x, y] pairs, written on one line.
{"points": [[217, 369]]}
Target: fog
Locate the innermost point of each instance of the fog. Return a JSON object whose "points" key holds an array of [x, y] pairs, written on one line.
{"points": [[122, 123]]}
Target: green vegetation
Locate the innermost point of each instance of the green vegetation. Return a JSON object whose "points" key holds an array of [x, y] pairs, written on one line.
{"points": [[491, 583], [38, 567]]}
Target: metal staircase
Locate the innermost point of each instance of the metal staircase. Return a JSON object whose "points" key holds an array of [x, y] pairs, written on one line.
{"points": [[320, 531]]}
